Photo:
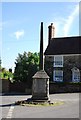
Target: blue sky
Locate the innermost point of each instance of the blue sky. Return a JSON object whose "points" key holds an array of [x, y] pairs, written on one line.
{"points": [[20, 26]]}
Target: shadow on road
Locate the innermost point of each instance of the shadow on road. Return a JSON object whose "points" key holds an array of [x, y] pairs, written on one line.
{"points": [[7, 105], [14, 94]]}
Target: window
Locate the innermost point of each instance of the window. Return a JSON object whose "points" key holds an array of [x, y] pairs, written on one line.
{"points": [[58, 75], [75, 75], [58, 61]]}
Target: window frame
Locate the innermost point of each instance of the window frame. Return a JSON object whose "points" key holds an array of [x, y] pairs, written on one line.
{"points": [[54, 76], [56, 61], [75, 71]]}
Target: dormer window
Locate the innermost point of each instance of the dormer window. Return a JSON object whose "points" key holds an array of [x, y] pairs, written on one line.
{"points": [[75, 75], [58, 61]]}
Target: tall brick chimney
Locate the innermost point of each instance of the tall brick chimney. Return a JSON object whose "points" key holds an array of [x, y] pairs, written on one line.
{"points": [[51, 31]]}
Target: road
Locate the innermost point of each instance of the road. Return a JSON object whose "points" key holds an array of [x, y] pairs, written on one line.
{"points": [[70, 108]]}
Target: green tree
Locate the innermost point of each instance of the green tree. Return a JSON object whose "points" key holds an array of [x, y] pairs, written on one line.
{"points": [[5, 74], [27, 65]]}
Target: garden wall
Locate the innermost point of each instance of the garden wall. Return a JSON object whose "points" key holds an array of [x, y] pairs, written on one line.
{"points": [[53, 88], [64, 87], [7, 87], [19, 88], [4, 86]]}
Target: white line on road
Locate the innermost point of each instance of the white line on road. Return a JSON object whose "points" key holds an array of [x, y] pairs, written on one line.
{"points": [[9, 115]]}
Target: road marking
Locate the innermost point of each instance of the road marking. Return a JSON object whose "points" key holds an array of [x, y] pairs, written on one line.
{"points": [[9, 115]]}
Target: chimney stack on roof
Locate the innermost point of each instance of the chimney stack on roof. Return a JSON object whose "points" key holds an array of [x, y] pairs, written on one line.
{"points": [[51, 32]]}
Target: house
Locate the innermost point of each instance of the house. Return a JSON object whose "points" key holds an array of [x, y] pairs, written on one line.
{"points": [[63, 57]]}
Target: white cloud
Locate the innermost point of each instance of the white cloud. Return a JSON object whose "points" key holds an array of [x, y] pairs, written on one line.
{"points": [[70, 19], [62, 25], [19, 34]]}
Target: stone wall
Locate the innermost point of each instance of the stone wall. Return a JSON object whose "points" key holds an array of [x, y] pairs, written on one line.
{"points": [[4, 86], [0, 86], [53, 88], [19, 88], [64, 87], [7, 87], [69, 62]]}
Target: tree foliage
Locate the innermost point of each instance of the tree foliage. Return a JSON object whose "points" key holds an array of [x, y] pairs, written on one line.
{"points": [[27, 65], [5, 74]]}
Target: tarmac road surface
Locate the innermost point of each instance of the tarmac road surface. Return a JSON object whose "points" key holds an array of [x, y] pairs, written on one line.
{"points": [[70, 108]]}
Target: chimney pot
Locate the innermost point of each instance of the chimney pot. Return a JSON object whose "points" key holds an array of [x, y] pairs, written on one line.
{"points": [[51, 24]]}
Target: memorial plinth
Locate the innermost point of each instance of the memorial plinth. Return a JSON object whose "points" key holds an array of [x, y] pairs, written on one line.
{"points": [[40, 88]]}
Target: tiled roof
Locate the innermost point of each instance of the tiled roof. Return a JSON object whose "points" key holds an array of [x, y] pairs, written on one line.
{"points": [[64, 45]]}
